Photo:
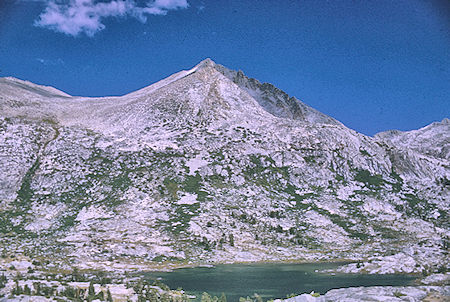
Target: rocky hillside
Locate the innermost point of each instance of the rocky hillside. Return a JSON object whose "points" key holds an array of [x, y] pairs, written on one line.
{"points": [[209, 165], [432, 140]]}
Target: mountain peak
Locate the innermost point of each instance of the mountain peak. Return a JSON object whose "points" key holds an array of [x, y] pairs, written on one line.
{"points": [[207, 166], [206, 63]]}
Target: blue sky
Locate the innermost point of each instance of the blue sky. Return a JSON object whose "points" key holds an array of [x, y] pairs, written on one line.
{"points": [[374, 65]]}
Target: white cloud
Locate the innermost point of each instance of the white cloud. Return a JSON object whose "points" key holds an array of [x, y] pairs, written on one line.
{"points": [[74, 17]]}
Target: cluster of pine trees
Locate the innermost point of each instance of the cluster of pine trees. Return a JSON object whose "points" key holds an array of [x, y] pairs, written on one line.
{"points": [[37, 290], [73, 294], [146, 292], [158, 292], [208, 298]]}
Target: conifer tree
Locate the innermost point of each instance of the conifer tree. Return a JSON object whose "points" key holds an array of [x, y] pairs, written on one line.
{"points": [[91, 292], [26, 290], [108, 296]]}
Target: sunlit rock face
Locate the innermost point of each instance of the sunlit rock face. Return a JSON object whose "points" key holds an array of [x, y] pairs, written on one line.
{"points": [[209, 165]]}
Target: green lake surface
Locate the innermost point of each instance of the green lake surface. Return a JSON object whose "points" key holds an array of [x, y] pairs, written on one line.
{"points": [[270, 280]]}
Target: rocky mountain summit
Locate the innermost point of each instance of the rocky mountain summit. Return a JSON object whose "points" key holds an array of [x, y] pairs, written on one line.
{"points": [[209, 166]]}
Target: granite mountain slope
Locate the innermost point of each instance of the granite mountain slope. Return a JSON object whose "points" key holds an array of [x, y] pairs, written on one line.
{"points": [[432, 140], [209, 165]]}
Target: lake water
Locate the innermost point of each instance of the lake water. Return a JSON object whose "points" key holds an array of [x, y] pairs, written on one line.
{"points": [[269, 280]]}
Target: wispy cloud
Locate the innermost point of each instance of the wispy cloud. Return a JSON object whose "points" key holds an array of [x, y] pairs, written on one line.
{"points": [[74, 17], [200, 8], [58, 61]]}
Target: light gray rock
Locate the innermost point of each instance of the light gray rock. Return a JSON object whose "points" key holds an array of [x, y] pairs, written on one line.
{"points": [[208, 166], [379, 293], [302, 298]]}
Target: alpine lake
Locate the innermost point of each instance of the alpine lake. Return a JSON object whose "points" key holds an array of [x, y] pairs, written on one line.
{"points": [[270, 280]]}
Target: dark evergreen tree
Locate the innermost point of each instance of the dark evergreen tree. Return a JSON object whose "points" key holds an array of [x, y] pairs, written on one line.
{"points": [[91, 292], [231, 239], [108, 296], [37, 288]]}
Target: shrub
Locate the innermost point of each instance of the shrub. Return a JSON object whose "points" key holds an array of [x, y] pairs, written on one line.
{"points": [[398, 294]]}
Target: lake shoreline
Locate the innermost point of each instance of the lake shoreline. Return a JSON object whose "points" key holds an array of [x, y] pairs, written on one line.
{"points": [[271, 279], [168, 267]]}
